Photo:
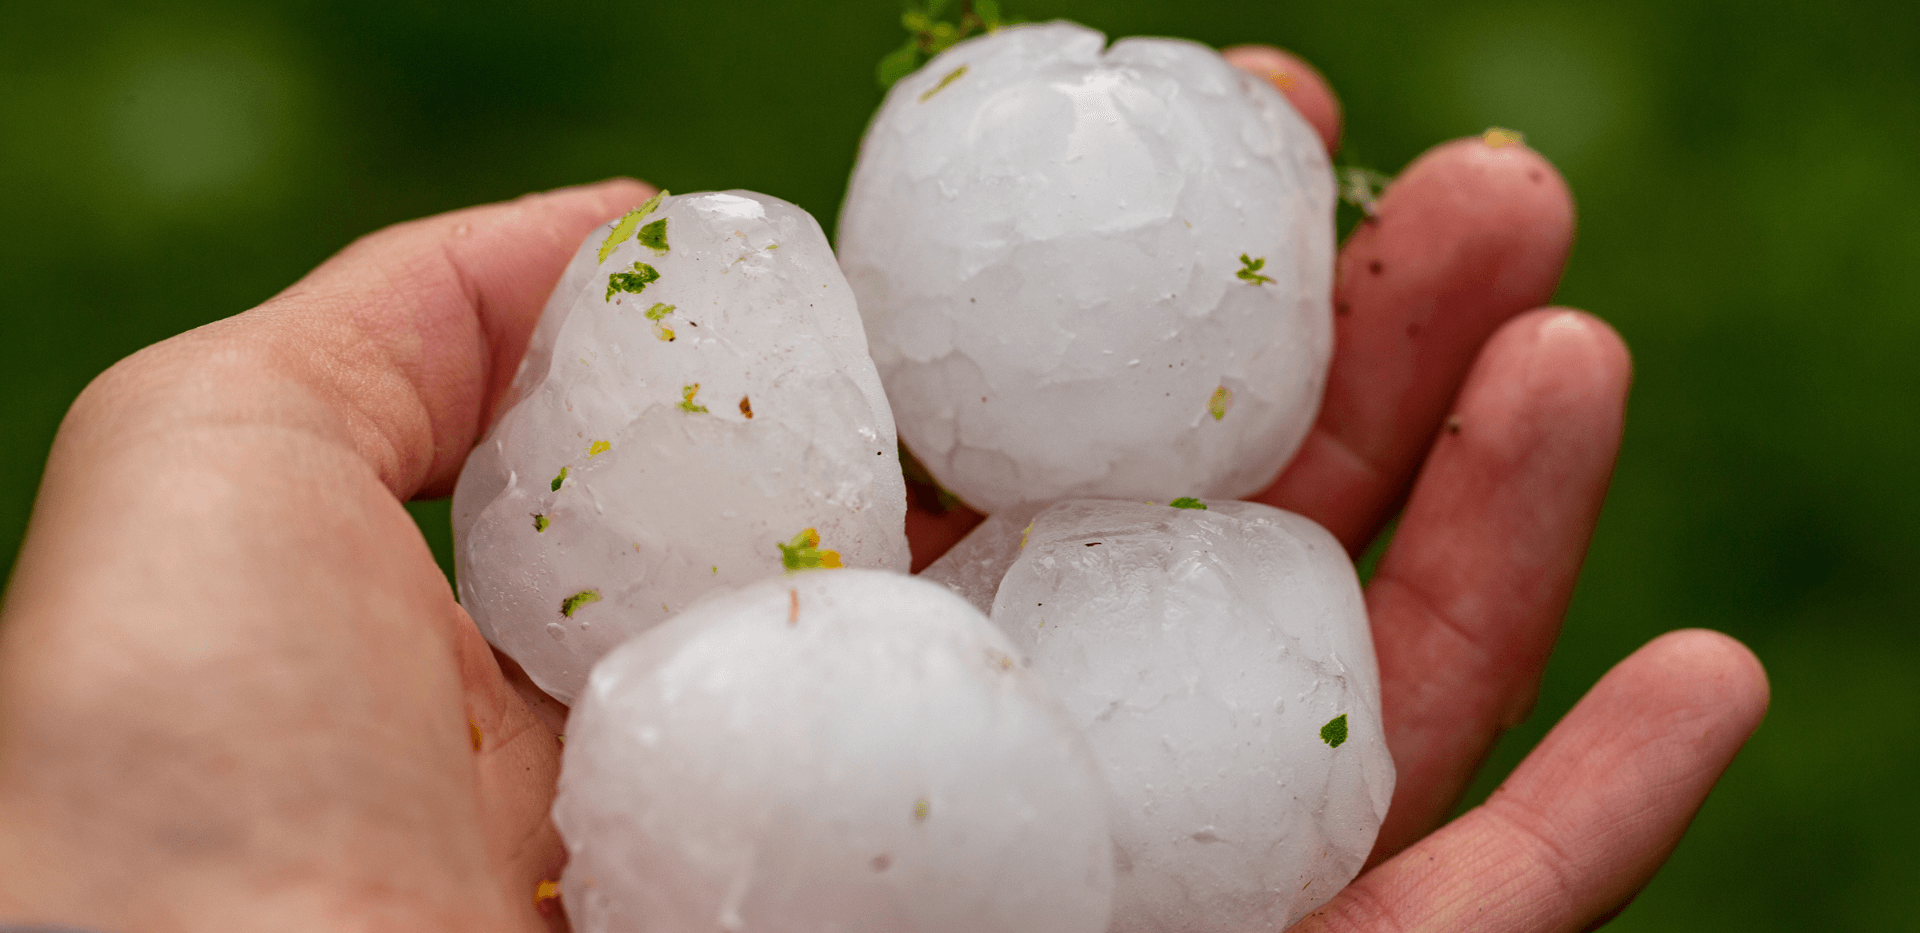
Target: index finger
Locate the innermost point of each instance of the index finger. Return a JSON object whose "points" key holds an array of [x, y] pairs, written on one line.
{"points": [[1472, 233]]}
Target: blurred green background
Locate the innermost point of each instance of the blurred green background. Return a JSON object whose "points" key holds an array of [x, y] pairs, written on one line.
{"points": [[1747, 190]]}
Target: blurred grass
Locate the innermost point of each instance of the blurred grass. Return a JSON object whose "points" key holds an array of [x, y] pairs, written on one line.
{"points": [[1745, 177]]}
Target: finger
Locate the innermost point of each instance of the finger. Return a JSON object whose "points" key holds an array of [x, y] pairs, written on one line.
{"points": [[1471, 234], [1305, 87], [1588, 818], [417, 329], [1468, 599]]}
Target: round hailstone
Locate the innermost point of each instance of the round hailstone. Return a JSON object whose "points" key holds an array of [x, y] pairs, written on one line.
{"points": [[1093, 273], [1219, 660], [697, 410], [851, 750]]}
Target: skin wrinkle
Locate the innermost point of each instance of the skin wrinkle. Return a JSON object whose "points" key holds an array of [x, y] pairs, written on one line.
{"points": [[1538, 850]]}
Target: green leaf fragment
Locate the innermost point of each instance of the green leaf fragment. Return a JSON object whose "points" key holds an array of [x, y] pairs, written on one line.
{"points": [[1251, 274], [654, 236], [1221, 401], [540, 522], [619, 233], [1188, 502], [659, 311], [1335, 731], [568, 605], [951, 76], [624, 227], [557, 480], [931, 31], [633, 283], [687, 392], [653, 203], [804, 553]]}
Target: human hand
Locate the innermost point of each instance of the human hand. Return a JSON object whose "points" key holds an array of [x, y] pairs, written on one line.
{"points": [[232, 680]]}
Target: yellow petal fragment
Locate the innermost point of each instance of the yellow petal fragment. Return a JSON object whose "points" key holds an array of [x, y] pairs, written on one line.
{"points": [[545, 891], [1496, 137], [597, 448]]}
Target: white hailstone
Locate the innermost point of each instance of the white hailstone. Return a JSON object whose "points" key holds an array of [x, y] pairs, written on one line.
{"points": [[696, 410], [974, 567], [1220, 663], [1091, 271], [844, 750]]}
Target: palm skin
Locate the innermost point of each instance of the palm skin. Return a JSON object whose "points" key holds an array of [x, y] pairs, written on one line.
{"points": [[236, 692]]}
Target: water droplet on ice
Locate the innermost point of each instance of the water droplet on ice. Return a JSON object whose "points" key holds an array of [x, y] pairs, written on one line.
{"points": [[555, 629]]}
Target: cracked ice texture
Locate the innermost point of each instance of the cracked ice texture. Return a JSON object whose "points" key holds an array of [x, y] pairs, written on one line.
{"points": [[843, 750], [1047, 251], [679, 502], [1202, 652]]}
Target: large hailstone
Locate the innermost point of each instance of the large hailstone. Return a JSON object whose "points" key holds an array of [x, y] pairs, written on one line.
{"points": [[1093, 273], [1220, 664], [847, 750], [697, 410]]}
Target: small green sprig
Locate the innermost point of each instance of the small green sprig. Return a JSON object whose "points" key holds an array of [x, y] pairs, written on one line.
{"points": [[930, 33]]}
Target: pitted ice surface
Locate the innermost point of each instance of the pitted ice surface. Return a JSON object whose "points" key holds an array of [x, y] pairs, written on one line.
{"points": [[1220, 663], [1091, 271], [696, 410], [839, 750]]}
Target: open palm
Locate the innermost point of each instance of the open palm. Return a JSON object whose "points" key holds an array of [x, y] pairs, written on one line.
{"points": [[236, 692]]}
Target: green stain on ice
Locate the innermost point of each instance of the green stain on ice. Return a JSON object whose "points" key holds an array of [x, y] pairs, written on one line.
{"points": [[654, 237], [687, 392], [571, 603], [1335, 731], [634, 282], [1251, 273], [951, 76], [1188, 502], [560, 478]]}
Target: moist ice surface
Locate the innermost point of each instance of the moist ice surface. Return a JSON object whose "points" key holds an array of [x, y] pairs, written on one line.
{"points": [[1091, 271], [1220, 664], [696, 410], [835, 751]]}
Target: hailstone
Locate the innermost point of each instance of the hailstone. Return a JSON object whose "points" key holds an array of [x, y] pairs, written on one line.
{"points": [[1093, 271], [1218, 659], [846, 750], [697, 410]]}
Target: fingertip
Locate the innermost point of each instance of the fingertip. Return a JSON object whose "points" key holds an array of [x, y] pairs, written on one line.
{"points": [[1573, 350], [1302, 84], [612, 191], [1715, 670], [1507, 174]]}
